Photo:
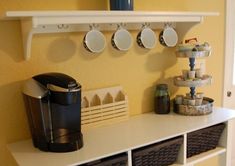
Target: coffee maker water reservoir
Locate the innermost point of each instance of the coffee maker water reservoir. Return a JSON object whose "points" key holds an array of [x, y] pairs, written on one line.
{"points": [[53, 106]]}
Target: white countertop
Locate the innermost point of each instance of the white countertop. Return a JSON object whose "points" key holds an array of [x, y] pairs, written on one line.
{"points": [[138, 131]]}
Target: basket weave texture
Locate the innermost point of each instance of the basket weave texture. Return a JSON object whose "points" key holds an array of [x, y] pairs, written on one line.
{"points": [[160, 154], [204, 139], [117, 160]]}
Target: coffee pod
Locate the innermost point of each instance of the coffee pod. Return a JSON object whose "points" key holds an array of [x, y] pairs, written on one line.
{"points": [[199, 73], [206, 46], [198, 101], [191, 74], [185, 100], [191, 102], [200, 95]]}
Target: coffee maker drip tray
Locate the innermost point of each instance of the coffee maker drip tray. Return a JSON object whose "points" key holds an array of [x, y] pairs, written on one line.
{"points": [[64, 135], [65, 140]]}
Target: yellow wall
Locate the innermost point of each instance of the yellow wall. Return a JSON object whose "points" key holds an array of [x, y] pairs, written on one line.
{"points": [[137, 70]]}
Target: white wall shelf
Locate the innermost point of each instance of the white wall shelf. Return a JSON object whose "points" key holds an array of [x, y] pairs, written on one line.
{"points": [[134, 133], [35, 22]]}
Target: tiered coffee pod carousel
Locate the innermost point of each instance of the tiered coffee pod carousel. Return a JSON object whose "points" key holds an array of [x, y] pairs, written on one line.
{"points": [[193, 103]]}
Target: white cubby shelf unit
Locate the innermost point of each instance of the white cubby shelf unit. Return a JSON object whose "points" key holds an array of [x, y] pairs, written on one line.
{"points": [[36, 22], [136, 132]]}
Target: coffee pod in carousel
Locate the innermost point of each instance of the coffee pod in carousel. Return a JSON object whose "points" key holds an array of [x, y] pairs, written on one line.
{"points": [[185, 100], [191, 74], [198, 101], [199, 73], [191, 102], [200, 95]]}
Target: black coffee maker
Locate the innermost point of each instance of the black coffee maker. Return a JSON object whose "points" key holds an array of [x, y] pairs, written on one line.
{"points": [[53, 106]]}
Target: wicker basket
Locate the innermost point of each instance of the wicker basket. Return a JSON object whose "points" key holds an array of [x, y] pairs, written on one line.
{"points": [[117, 160], [160, 154], [204, 139]]}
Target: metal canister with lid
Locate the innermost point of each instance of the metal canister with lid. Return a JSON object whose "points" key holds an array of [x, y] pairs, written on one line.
{"points": [[162, 99]]}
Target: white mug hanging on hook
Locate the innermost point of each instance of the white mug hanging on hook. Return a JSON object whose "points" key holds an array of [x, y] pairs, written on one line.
{"points": [[94, 40], [121, 39], [146, 38], [168, 36]]}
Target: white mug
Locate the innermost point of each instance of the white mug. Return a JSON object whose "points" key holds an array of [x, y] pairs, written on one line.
{"points": [[94, 41], [121, 39], [168, 37], [146, 38]]}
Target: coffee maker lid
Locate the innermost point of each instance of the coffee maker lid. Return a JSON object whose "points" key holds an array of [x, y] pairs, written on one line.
{"points": [[57, 79], [34, 89], [60, 89]]}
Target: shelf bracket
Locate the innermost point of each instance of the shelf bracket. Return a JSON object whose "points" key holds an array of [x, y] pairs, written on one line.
{"points": [[27, 35]]}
